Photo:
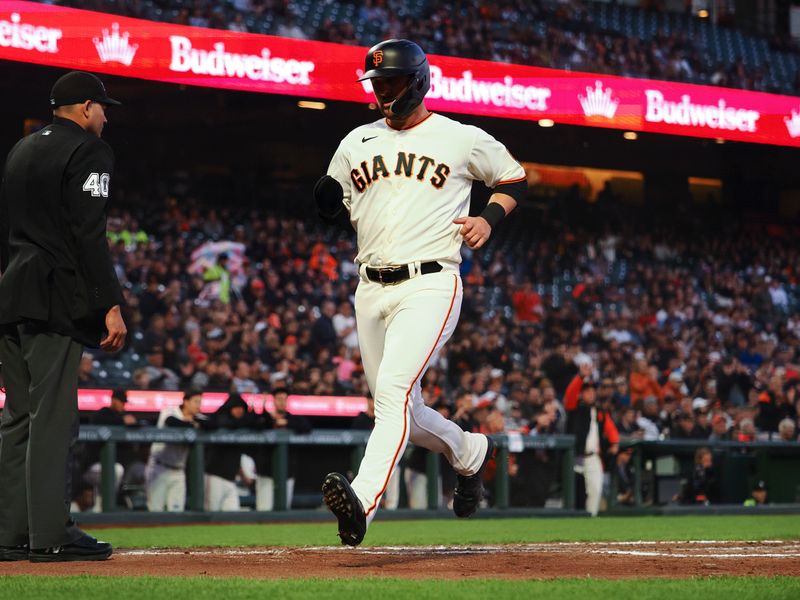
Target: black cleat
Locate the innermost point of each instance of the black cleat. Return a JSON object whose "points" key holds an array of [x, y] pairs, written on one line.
{"points": [[469, 490], [346, 507], [84, 548], [11, 553]]}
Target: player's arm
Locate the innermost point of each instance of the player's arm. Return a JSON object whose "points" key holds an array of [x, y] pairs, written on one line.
{"points": [[572, 393], [332, 192], [492, 163], [87, 188]]}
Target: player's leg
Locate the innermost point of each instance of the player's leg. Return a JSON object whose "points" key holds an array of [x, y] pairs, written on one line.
{"points": [[422, 315], [212, 493], [230, 497], [175, 496], [593, 476], [52, 362], [155, 486], [265, 493], [465, 451], [371, 327], [14, 442]]}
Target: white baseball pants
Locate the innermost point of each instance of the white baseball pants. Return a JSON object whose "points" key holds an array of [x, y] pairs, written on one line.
{"points": [[265, 492], [166, 488], [400, 327], [221, 494], [593, 479]]}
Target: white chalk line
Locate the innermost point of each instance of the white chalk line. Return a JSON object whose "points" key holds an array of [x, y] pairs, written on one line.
{"points": [[704, 549]]}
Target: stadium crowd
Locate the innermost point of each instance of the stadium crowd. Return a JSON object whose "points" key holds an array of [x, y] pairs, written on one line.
{"points": [[560, 34], [672, 329], [685, 335]]}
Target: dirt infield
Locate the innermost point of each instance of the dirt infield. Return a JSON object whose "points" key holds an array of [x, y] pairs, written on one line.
{"points": [[618, 560]]}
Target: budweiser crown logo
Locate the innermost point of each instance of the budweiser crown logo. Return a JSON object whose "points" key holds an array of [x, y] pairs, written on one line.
{"points": [[377, 57], [598, 102], [115, 47], [793, 123]]}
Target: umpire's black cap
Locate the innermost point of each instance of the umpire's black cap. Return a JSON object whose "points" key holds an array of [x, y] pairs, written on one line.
{"points": [[77, 87]]}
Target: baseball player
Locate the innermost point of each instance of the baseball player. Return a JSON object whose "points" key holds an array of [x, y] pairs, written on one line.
{"points": [[403, 183], [165, 474]]}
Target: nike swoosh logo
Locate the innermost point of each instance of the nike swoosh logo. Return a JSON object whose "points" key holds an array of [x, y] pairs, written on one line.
{"points": [[366, 139]]}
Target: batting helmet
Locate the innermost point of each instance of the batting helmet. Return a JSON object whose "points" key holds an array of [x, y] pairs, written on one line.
{"points": [[400, 57]]}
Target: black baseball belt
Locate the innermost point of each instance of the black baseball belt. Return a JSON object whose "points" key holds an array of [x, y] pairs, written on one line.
{"points": [[399, 273]]}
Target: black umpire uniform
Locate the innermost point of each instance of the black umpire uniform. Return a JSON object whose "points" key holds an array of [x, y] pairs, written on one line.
{"points": [[57, 286]]}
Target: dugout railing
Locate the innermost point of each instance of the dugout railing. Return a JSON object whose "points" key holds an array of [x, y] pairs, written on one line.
{"points": [[110, 437], [660, 469], [658, 466]]}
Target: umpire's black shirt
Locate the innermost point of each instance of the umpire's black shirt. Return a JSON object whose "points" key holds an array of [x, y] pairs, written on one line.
{"points": [[54, 257]]}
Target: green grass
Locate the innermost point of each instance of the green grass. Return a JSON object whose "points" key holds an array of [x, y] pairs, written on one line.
{"points": [[477, 531], [201, 588]]}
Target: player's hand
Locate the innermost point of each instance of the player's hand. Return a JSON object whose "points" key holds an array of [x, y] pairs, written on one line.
{"points": [[116, 329], [474, 230]]}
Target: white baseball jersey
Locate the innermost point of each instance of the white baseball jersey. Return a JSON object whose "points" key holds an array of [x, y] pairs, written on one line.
{"points": [[403, 188], [171, 455]]}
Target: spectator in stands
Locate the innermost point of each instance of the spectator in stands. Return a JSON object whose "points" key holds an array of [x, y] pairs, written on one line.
{"points": [[650, 420], [643, 384], [527, 304], [733, 381], [242, 383], [223, 461], [774, 404], [463, 415], [324, 332], [787, 430], [289, 28], [344, 323], [627, 426], [220, 276], [279, 418], [159, 376], [86, 374], [165, 473], [720, 429]]}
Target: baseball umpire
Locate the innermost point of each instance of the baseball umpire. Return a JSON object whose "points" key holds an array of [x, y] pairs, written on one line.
{"points": [[58, 292], [404, 184]]}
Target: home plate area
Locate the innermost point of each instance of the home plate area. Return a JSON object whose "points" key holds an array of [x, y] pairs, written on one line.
{"points": [[607, 560]]}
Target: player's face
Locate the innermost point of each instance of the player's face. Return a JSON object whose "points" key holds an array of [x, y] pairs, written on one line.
{"points": [[387, 89], [97, 118]]}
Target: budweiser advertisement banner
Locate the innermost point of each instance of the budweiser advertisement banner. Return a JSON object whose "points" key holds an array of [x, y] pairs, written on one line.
{"points": [[76, 39]]}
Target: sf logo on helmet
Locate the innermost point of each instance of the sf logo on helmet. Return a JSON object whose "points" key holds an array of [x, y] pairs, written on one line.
{"points": [[377, 57]]}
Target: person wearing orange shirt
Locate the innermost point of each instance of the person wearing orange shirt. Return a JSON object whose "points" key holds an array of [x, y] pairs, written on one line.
{"points": [[643, 384]]}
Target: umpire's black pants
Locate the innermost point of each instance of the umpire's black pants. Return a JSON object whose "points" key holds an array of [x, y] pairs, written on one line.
{"points": [[40, 372]]}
